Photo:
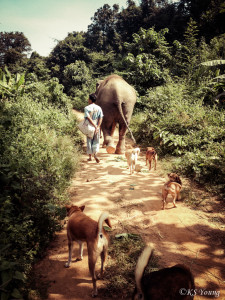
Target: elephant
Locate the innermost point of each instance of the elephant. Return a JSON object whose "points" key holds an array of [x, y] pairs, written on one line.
{"points": [[117, 99]]}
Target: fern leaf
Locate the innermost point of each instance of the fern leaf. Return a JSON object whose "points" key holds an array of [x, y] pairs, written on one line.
{"points": [[212, 63]]}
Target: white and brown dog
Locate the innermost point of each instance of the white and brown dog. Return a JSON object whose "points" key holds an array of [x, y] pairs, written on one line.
{"points": [[81, 228], [166, 283], [172, 187], [151, 155], [132, 157]]}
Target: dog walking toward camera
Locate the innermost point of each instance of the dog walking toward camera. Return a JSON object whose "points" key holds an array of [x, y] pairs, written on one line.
{"points": [[172, 187], [132, 157], [81, 228], [151, 155], [175, 283]]}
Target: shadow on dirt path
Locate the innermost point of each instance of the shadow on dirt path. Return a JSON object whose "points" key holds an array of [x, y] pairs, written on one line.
{"points": [[180, 235]]}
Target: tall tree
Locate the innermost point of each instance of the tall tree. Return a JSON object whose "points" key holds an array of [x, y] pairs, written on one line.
{"points": [[101, 34], [14, 48], [193, 8], [148, 59], [148, 11], [66, 52], [129, 21], [212, 19], [209, 15], [37, 65]]}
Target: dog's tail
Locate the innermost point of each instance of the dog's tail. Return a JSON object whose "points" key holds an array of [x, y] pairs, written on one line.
{"points": [[141, 265], [169, 183], [104, 217], [177, 184]]}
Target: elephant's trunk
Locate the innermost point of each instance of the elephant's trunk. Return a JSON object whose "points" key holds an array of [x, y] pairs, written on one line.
{"points": [[122, 115]]}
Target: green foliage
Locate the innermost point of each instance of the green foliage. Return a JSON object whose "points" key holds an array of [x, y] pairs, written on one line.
{"points": [[176, 122], [79, 98], [11, 86], [190, 36], [129, 22], [48, 93], [150, 41], [148, 56], [207, 165], [187, 55], [76, 76], [14, 47], [213, 63], [37, 65], [101, 34], [67, 52], [217, 47], [102, 63], [39, 153], [79, 83], [216, 86]]}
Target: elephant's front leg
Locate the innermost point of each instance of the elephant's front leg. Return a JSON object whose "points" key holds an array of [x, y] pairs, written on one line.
{"points": [[120, 147]]}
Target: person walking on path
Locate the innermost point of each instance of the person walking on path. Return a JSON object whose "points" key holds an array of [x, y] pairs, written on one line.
{"points": [[94, 114]]}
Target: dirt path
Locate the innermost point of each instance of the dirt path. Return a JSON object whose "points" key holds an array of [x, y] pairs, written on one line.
{"points": [[180, 235]]}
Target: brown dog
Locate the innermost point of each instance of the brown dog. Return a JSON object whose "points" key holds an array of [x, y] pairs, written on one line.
{"points": [[81, 228], [132, 157], [172, 187], [151, 155], [176, 282]]}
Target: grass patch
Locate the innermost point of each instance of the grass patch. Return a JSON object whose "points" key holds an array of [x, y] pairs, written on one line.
{"points": [[124, 251], [120, 158], [216, 220], [123, 167], [190, 198]]}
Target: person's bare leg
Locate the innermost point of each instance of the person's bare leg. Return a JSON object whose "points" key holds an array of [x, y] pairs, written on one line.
{"points": [[89, 159], [97, 160]]}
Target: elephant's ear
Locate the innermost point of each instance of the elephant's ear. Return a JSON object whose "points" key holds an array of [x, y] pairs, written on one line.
{"points": [[98, 85]]}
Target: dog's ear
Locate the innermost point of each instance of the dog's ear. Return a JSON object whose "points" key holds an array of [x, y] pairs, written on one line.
{"points": [[82, 208], [179, 180], [68, 207], [108, 223], [177, 177]]}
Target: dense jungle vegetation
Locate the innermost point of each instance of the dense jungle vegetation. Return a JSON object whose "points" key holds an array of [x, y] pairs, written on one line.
{"points": [[174, 56]]}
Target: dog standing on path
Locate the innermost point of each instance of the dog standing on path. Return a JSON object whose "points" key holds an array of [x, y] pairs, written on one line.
{"points": [[132, 157], [172, 187], [81, 228], [175, 283], [151, 155]]}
